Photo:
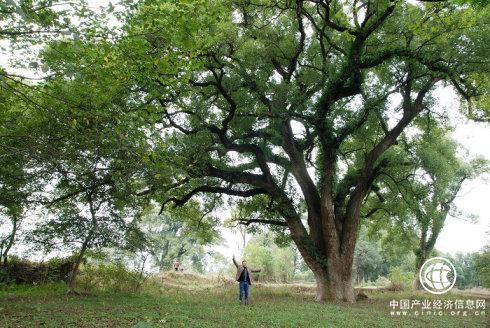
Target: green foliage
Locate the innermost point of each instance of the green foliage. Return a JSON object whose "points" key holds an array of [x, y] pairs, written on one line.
{"points": [[369, 264], [16, 184], [177, 234], [22, 271], [400, 279], [412, 199], [109, 277], [88, 153], [173, 106], [279, 264], [466, 269], [477, 3], [23, 19], [482, 266]]}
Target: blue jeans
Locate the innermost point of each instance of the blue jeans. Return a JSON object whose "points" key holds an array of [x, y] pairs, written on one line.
{"points": [[244, 290]]}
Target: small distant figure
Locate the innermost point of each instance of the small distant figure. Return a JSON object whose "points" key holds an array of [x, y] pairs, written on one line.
{"points": [[176, 265], [244, 277]]}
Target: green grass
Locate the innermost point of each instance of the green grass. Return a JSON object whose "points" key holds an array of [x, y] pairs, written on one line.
{"points": [[209, 306]]}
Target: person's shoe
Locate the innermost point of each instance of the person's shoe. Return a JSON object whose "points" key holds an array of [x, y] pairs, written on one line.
{"points": [[246, 302], [240, 302]]}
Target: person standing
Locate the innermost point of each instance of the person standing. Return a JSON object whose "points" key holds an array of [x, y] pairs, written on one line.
{"points": [[176, 265], [244, 277]]}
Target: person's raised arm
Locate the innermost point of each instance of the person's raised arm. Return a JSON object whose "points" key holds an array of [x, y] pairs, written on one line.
{"points": [[234, 261]]}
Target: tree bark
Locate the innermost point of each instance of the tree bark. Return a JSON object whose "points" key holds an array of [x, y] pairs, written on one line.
{"points": [[332, 270], [141, 271], [73, 278], [334, 284], [427, 242], [421, 256], [72, 283], [420, 261], [10, 242], [93, 212]]}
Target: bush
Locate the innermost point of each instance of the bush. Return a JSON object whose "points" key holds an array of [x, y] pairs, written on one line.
{"points": [[108, 277], [382, 282], [22, 271], [482, 267], [400, 279]]}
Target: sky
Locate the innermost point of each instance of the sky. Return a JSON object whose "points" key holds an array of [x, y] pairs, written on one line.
{"points": [[458, 235]]}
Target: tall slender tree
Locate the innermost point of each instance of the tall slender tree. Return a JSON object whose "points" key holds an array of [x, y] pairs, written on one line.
{"points": [[415, 199]]}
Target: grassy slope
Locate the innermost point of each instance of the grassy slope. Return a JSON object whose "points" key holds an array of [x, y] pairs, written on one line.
{"points": [[203, 303]]}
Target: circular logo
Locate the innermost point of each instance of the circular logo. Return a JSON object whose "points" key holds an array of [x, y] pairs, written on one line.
{"points": [[437, 275]]}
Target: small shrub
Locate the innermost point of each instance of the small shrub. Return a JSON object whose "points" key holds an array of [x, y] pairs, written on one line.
{"points": [[395, 287], [59, 269], [382, 282], [400, 279], [22, 271], [109, 277]]}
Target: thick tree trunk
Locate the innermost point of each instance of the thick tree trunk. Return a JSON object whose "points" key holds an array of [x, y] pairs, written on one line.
{"points": [[330, 264], [321, 286], [334, 285], [333, 273]]}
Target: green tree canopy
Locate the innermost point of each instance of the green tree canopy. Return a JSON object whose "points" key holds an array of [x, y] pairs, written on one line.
{"points": [[268, 99]]}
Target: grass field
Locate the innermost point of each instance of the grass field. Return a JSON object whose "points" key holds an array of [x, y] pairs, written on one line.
{"points": [[187, 301]]}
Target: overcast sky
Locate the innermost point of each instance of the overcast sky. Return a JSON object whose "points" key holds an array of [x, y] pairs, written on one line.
{"points": [[459, 235]]}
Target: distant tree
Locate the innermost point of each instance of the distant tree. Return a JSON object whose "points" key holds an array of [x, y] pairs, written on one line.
{"points": [[467, 274], [369, 264], [197, 261], [277, 263], [413, 200], [178, 233], [482, 266]]}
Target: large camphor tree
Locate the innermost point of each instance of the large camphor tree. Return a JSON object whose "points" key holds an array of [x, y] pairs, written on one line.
{"points": [[265, 101]]}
